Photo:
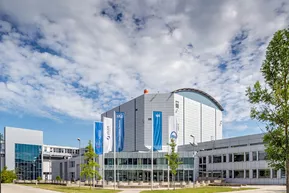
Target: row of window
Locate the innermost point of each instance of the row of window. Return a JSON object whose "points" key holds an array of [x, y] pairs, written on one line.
{"points": [[61, 150], [260, 173], [145, 161], [234, 157]]}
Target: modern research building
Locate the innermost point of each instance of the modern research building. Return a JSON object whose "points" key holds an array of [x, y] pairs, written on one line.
{"points": [[23, 151], [199, 120]]}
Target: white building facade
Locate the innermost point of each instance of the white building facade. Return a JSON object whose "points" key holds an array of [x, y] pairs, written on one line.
{"points": [[23, 151], [197, 114], [236, 160]]}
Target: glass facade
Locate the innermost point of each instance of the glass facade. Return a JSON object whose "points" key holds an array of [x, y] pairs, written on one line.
{"points": [[28, 161]]}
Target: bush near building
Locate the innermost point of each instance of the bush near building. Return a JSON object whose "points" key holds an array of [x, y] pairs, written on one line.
{"points": [[7, 176]]}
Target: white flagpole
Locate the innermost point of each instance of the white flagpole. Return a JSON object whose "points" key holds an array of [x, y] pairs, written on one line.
{"points": [[152, 151], [94, 168], [114, 146], [103, 165], [169, 153]]}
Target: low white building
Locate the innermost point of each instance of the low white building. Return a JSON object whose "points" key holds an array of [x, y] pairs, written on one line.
{"points": [[240, 160]]}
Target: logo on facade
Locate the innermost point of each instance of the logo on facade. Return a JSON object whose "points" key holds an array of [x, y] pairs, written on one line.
{"points": [[173, 135], [120, 116], [108, 132], [158, 115]]}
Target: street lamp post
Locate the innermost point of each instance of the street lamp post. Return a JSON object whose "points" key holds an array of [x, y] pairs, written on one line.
{"points": [[79, 161], [194, 144]]}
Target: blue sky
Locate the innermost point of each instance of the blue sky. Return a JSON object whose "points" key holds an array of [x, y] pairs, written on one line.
{"points": [[62, 63]]}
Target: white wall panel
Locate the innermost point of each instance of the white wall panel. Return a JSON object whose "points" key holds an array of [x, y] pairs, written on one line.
{"points": [[21, 136], [208, 123], [192, 121], [179, 113], [219, 125], [140, 123]]}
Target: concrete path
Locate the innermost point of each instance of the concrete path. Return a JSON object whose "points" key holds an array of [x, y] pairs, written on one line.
{"points": [[131, 191], [264, 189], [13, 188]]}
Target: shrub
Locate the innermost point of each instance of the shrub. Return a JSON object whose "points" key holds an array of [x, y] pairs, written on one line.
{"points": [[39, 178], [58, 178], [7, 176]]}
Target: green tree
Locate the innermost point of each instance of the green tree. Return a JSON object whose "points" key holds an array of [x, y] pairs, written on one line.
{"points": [[173, 160], [58, 178], [271, 101], [88, 169], [7, 176]]}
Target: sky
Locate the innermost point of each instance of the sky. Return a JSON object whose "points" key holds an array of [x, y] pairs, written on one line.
{"points": [[63, 63]]}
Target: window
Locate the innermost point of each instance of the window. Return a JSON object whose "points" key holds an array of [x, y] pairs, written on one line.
{"points": [[254, 173], [239, 157], [217, 159], [204, 160], [261, 155], [139, 161], [28, 161], [230, 157], [149, 161], [129, 161], [177, 104], [224, 174], [230, 174], [264, 173], [45, 149], [155, 161], [145, 161], [247, 173], [200, 160], [123, 161], [283, 174], [224, 158], [110, 161], [254, 156], [210, 159], [134, 161], [247, 157], [239, 174], [71, 164], [274, 173], [185, 161]]}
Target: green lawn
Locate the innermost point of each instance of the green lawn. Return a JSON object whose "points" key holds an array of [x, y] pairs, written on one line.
{"points": [[199, 190], [60, 188]]}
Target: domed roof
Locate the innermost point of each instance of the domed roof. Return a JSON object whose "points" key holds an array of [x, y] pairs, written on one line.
{"points": [[199, 96]]}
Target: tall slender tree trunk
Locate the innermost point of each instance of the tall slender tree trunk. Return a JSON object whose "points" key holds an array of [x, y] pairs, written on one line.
{"points": [[287, 173], [174, 177], [287, 156]]}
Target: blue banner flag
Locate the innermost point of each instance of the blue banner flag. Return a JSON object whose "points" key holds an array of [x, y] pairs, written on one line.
{"points": [[98, 126], [157, 130], [119, 130]]}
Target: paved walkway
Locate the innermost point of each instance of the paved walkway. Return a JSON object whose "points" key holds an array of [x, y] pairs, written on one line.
{"points": [[264, 189], [13, 188]]}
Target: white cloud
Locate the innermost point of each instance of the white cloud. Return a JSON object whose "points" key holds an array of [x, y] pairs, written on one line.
{"points": [[156, 45]]}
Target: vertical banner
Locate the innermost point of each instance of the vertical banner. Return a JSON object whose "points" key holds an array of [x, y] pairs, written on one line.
{"points": [[157, 130], [173, 130], [98, 126], [119, 130], [107, 135]]}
